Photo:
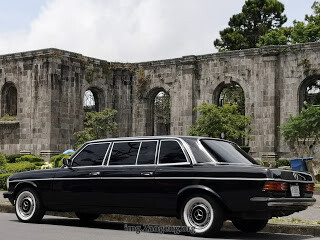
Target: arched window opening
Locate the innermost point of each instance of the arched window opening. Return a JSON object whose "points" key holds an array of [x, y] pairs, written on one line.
{"points": [[161, 114], [312, 93], [9, 100], [93, 100], [232, 94]]}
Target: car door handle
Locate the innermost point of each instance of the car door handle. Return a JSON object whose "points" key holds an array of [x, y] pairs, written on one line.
{"points": [[94, 173], [147, 173]]}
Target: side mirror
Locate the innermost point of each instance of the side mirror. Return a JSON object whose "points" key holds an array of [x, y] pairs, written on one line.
{"points": [[67, 162]]}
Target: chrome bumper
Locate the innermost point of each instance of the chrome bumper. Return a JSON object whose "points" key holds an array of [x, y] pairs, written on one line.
{"points": [[279, 202]]}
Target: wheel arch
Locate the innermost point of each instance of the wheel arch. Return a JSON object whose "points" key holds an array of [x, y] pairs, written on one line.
{"points": [[24, 184], [196, 189]]}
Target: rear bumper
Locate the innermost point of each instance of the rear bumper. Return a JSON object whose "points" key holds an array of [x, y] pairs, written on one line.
{"points": [[285, 202]]}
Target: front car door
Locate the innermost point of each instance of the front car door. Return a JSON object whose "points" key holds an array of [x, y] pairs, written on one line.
{"points": [[79, 186]]}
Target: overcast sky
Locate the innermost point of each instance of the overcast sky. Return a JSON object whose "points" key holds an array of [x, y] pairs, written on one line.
{"points": [[123, 30]]}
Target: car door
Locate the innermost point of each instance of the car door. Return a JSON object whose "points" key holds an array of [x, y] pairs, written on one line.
{"points": [[128, 177], [174, 171], [79, 186]]}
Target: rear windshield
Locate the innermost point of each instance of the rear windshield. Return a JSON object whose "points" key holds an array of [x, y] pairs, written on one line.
{"points": [[225, 152]]}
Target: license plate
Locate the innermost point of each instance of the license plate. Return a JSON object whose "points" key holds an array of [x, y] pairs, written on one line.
{"points": [[295, 192]]}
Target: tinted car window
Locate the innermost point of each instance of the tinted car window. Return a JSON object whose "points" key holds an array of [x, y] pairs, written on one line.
{"points": [[124, 153], [226, 152], [147, 153], [91, 155], [171, 152]]}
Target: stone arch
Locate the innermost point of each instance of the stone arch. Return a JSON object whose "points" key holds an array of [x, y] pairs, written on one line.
{"points": [[156, 125], [234, 87], [93, 99], [309, 91], [9, 99]]}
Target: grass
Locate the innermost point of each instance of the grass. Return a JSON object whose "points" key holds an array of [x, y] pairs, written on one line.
{"points": [[317, 187], [7, 117], [294, 221]]}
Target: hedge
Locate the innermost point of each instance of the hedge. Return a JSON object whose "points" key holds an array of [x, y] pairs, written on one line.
{"points": [[3, 181], [20, 167], [3, 162], [12, 158], [38, 161], [57, 161]]}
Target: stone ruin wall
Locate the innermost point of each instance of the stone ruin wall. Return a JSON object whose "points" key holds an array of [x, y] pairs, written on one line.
{"points": [[51, 83]]}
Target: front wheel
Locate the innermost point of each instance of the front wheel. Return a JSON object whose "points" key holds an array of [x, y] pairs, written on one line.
{"points": [[28, 206], [87, 217], [250, 225], [202, 214]]}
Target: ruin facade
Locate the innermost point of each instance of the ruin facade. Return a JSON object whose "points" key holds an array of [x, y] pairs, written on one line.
{"points": [[44, 91]]}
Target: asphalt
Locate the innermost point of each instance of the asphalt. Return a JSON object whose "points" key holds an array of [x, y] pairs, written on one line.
{"points": [[52, 228], [312, 213]]}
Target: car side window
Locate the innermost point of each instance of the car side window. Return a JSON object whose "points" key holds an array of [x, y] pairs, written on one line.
{"points": [[147, 153], [124, 153], [171, 152], [91, 155]]}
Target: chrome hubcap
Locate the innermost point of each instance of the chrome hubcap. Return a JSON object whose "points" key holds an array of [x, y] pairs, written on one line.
{"points": [[25, 205], [198, 214]]}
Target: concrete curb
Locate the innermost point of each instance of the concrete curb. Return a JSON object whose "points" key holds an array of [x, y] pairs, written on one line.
{"points": [[139, 220]]}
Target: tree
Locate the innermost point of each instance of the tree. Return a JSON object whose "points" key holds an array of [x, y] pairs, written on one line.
{"points": [[302, 132], [256, 19], [214, 120], [98, 125], [281, 36], [301, 32]]}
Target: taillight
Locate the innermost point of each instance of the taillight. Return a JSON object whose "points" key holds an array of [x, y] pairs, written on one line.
{"points": [[275, 186], [309, 188]]}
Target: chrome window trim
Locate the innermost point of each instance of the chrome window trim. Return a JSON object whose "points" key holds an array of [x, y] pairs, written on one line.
{"points": [[202, 148], [138, 154], [83, 147], [125, 141], [167, 178], [155, 154], [182, 148]]}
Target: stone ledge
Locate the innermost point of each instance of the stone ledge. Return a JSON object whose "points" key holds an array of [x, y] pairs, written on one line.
{"points": [[270, 228], [9, 124]]}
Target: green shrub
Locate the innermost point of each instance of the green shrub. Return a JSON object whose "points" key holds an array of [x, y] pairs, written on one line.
{"points": [[245, 148], [3, 181], [12, 158], [20, 167], [282, 162], [3, 162], [57, 161], [38, 161]]}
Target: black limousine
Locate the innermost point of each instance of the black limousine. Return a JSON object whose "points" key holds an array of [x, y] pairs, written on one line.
{"points": [[203, 181]]}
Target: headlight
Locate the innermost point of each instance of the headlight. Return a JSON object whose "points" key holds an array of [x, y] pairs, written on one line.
{"points": [[8, 183]]}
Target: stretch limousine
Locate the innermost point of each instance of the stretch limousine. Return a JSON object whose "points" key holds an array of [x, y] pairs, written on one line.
{"points": [[203, 181]]}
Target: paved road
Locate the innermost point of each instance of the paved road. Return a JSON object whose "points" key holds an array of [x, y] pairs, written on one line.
{"points": [[71, 229]]}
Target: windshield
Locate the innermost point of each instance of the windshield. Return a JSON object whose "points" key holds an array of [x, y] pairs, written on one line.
{"points": [[225, 152]]}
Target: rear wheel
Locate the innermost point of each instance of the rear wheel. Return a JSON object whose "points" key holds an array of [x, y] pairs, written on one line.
{"points": [[202, 214], [87, 217], [250, 225], [28, 206]]}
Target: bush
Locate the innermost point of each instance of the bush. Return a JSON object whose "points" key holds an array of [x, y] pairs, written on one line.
{"points": [[3, 162], [3, 181], [57, 161], [12, 158], [38, 161], [20, 167], [282, 162], [245, 148]]}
